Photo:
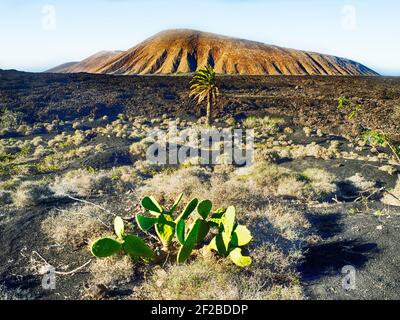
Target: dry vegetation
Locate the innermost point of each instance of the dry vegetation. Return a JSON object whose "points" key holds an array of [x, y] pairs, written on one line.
{"points": [[77, 226], [78, 159], [272, 276]]}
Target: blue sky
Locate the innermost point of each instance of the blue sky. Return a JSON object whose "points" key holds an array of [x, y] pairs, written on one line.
{"points": [[36, 35]]}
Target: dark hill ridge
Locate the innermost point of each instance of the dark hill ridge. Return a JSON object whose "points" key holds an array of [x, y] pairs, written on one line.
{"points": [[185, 51]]}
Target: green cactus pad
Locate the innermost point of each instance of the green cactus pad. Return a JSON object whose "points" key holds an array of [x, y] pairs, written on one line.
{"points": [[165, 228], [191, 240], [184, 253], [238, 259], [204, 208], [151, 204], [190, 207], [204, 228], [119, 227], [105, 247], [215, 220], [229, 220], [241, 236], [226, 239], [180, 231], [221, 246], [145, 223], [135, 246], [176, 204]]}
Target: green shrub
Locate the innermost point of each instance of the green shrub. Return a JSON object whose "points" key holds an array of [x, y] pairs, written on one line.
{"points": [[10, 119], [349, 107], [378, 138]]}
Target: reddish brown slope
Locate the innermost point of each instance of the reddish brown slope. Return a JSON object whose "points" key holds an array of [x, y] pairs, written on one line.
{"points": [[86, 65], [183, 51]]}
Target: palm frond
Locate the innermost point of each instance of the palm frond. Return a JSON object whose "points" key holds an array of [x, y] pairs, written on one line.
{"points": [[203, 84]]}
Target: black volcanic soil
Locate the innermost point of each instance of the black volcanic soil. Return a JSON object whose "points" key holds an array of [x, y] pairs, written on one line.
{"points": [[311, 100]]}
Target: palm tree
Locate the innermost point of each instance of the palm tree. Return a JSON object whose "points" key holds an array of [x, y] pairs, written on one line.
{"points": [[204, 86]]}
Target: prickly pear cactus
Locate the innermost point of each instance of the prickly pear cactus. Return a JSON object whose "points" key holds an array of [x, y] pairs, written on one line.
{"points": [[181, 220], [163, 222], [197, 232], [190, 241], [131, 244], [165, 229], [105, 247], [230, 238], [135, 246]]}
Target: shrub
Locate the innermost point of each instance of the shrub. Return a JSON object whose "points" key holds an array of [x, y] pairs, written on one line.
{"points": [[273, 180], [76, 226], [32, 193], [225, 192], [378, 138], [351, 109], [268, 124], [290, 186], [321, 182], [288, 222], [190, 181], [138, 149], [10, 119], [84, 183], [191, 282]]}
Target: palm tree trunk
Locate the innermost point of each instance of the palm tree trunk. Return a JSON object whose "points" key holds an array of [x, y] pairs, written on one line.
{"points": [[210, 119]]}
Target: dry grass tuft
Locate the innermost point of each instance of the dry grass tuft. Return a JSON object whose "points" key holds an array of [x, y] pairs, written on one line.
{"points": [[226, 192], [321, 182], [165, 187], [112, 272], [84, 183], [77, 226], [287, 221], [273, 180], [31, 193]]}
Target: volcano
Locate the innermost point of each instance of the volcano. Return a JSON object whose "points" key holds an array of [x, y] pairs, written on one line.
{"points": [[185, 51]]}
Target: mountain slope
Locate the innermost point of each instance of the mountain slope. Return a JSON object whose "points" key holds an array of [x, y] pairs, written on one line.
{"points": [[86, 65], [185, 51], [64, 68]]}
